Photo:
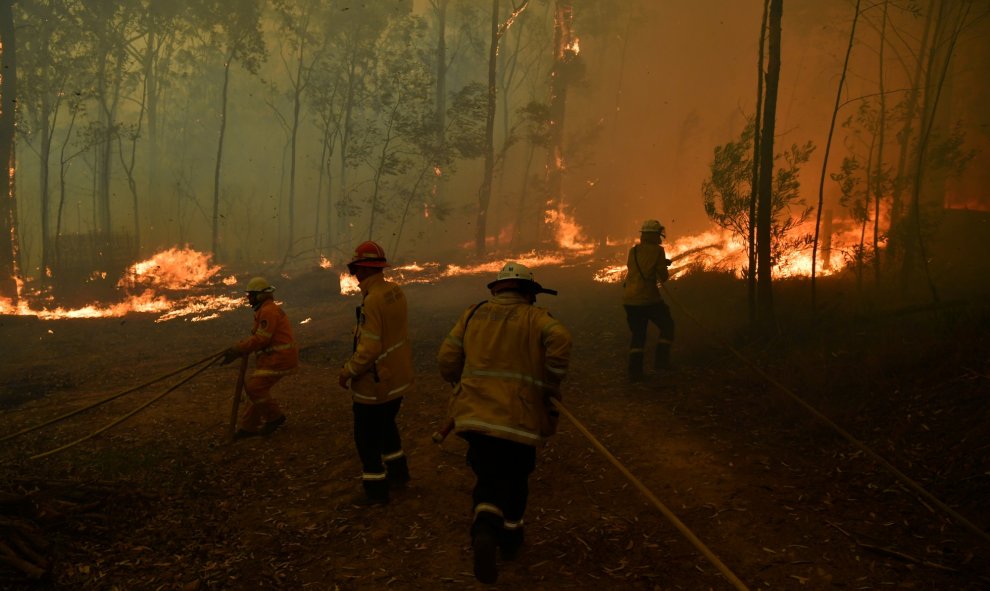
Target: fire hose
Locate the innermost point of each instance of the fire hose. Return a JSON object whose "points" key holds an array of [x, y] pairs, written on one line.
{"points": [[208, 361], [67, 415], [440, 435]]}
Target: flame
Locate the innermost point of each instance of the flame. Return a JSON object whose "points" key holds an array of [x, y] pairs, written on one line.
{"points": [[567, 232], [721, 250], [432, 271], [175, 270]]}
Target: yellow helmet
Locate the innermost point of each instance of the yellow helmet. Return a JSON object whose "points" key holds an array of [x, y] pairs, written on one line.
{"points": [[259, 284]]}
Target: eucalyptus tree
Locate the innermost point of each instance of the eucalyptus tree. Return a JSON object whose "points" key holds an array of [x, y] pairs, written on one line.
{"points": [[298, 24], [727, 191], [233, 28], [497, 28], [106, 28], [48, 76], [9, 257], [398, 128], [351, 57], [764, 204]]}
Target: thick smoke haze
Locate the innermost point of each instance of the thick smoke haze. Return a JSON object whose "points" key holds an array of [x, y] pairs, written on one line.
{"points": [[654, 88]]}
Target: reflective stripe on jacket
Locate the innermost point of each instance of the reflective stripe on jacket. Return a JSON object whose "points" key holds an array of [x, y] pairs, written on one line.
{"points": [[512, 357], [271, 339], [645, 267], [381, 364]]}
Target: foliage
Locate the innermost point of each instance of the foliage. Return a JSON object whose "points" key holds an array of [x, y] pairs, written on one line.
{"points": [[727, 191]]}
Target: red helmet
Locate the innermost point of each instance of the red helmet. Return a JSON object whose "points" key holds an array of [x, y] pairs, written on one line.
{"points": [[368, 254]]}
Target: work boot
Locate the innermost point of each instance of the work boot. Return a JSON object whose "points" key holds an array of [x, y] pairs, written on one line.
{"points": [[661, 358], [271, 426], [636, 367], [484, 544], [375, 493]]}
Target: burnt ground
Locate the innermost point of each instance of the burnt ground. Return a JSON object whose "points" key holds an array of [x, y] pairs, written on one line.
{"points": [[162, 501]]}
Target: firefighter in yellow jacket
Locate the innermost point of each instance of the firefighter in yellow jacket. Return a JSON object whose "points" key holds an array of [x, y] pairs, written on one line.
{"points": [[378, 373], [276, 356], [646, 268], [506, 358]]}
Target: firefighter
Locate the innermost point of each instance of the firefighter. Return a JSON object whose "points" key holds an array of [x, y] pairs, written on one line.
{"points": [[646, 267], [378, 373], [276, 356], [506, 358]]}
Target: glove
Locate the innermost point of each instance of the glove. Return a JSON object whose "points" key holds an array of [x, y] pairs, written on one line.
{"points": [[344, 377], [230, 355]]}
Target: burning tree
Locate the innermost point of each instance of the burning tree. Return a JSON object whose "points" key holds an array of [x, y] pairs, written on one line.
{"points": [[727, 193]]}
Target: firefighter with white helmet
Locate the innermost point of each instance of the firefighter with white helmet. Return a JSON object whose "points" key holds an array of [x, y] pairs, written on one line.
{"points": [[647, 267], [378, 373], [276, 356], [506, 358]]}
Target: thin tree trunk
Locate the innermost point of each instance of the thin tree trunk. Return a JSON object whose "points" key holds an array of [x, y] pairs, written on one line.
{"points": [[9, 256], [880, 175], [485, 191], [765, 205], [755, 183], [828, 148], [928, 120], [897, 244], [216, 170]]}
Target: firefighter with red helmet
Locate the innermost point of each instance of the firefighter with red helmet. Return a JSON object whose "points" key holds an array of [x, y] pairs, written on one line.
{"points": [[507, 358], [378, 373], [276, 356], [647, 267]]}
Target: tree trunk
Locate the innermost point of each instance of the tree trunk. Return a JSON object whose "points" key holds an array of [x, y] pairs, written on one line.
{"points": [[828, 148], [563, 54], [485, 191], [916, 250], [216, 170], [755, 183], [9, 256], [764, 212], [880, 174], [897, 242]]}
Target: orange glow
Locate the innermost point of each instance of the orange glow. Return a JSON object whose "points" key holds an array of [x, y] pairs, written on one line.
{"points": [[567, 233], [721, 250], [170, 270]]}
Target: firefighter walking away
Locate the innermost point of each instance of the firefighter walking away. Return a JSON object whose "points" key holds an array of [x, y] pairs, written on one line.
{"points": [[647, 267], [507, 358]]}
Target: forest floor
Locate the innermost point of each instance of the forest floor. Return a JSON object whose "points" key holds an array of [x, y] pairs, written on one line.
{"points": [[163, 501]]}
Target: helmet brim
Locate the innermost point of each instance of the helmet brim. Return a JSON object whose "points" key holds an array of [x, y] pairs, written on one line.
{"points": [[364, 263], [526, 283]]}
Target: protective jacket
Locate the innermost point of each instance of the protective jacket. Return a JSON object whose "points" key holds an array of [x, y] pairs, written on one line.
{"points": [[646, 265], [381, 365], [507, 357], [272, 339]]}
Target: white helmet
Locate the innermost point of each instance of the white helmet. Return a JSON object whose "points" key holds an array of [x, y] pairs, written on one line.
{"points": [[652, 227], [518, 272], [259, 284]]}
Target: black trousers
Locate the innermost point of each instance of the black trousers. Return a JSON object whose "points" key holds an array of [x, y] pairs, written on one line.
{"points": [[377, 438], [502, 468], [638, 317]]}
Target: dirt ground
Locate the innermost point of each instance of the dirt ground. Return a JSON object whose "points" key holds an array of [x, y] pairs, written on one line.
{"points": [[162, 501]]}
